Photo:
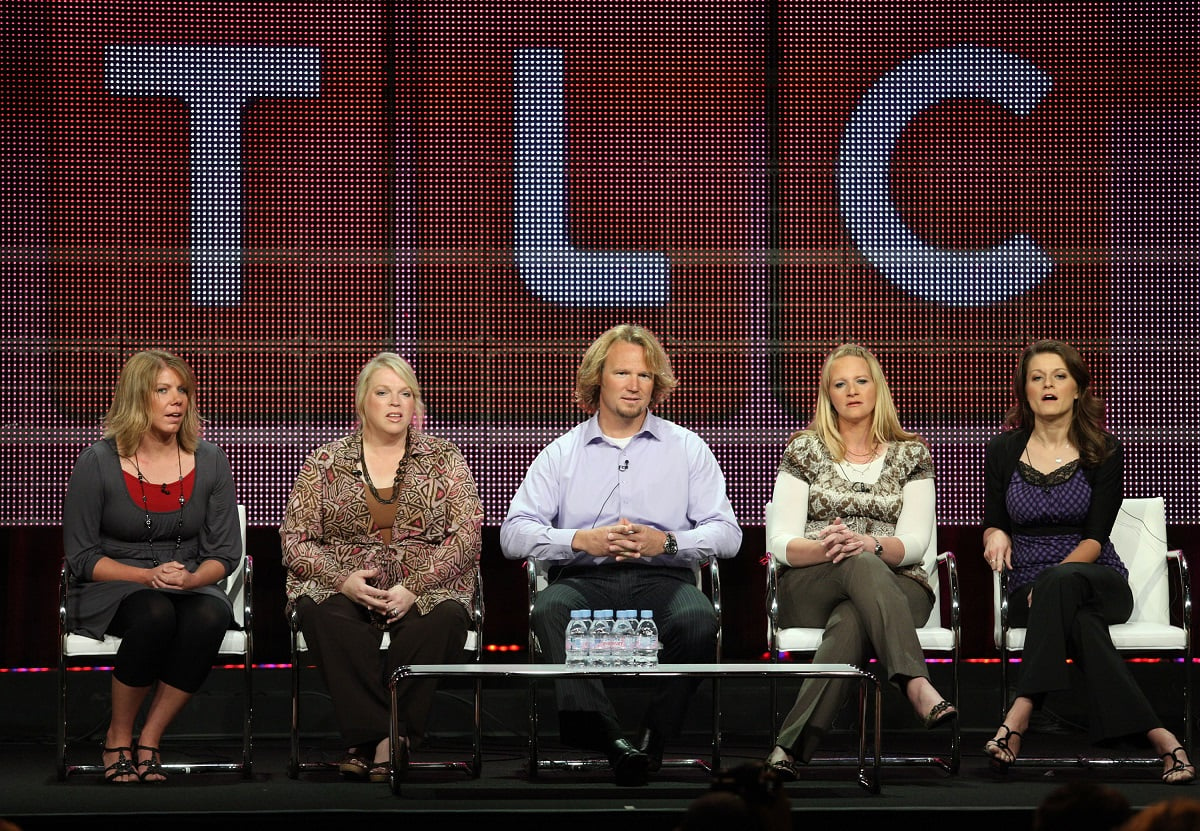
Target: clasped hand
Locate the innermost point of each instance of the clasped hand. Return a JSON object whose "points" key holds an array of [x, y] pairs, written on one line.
{"points": [[392, 603], [623, 541], [840, 542], [170, 575]]}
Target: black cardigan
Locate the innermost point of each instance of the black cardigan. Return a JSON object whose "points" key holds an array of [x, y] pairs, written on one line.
{"points": [[1003, 452]]}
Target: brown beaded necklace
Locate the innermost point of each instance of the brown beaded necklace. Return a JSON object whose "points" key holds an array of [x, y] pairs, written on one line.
{"points": [[362, 464]]}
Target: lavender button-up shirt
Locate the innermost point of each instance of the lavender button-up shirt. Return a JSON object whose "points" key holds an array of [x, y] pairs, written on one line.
{"points": [[666, 477]]}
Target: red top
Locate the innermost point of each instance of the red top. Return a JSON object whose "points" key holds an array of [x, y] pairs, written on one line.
{"points": [[160, 498]]}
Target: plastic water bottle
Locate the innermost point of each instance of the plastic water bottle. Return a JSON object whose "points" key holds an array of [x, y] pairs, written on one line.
{"points": [[624, 638], [602, 625], [646, 652], [579, 642]]}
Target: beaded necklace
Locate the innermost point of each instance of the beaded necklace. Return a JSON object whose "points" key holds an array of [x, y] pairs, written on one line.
{"points": [[146, 505], [362, 463]]}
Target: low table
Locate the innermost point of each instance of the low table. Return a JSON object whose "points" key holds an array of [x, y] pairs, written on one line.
{"points": [[868, 688]]}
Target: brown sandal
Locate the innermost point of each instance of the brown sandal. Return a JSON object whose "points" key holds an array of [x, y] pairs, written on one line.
{"points": [[353, 766]]}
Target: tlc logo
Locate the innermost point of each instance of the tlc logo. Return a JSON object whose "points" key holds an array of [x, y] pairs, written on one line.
{"points": [[217, 83]]}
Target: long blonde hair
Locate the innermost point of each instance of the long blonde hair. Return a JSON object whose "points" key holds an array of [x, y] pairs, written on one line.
{"points": [[587, 379], [885, 423], [128, 416]]}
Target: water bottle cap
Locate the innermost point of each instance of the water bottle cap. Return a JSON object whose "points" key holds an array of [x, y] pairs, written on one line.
{"points": [[604, 613], [647, 613]]}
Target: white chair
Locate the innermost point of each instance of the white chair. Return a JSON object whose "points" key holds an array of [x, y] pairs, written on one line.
{"points": [[1140, 538], [473, 647], [537, 573], [81, 651], [940, 635]]}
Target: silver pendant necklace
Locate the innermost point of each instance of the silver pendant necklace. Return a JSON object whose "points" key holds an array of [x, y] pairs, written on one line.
{"points": [[856, 485]]}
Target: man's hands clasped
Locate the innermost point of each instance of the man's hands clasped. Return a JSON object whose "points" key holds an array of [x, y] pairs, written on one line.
{"points": [[623, 541]]}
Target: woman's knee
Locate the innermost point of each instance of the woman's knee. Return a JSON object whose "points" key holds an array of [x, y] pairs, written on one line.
{"points": [[1063, 574], [147, 611]]}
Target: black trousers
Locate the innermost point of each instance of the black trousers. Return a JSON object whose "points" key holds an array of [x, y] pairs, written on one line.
{"points": [[687, 630], [1073, 606], [173, 637], [347, 650]]}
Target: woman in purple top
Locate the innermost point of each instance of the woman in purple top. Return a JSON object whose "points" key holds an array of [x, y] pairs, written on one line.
{"points": [[1053, 490]]}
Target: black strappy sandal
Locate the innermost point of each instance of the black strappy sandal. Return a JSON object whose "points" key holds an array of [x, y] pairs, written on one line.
{"points": [[153, 766], [784, 769], [122, 767], [1178, 766], [1001, 756]]}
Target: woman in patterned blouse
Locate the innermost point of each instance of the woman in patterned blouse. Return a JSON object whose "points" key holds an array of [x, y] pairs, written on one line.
{"points": [[1053, 490], [382, 533], [851, 522]]}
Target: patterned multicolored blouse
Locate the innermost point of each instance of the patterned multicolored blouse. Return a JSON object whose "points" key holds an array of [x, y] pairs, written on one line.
{"points": [[832, 495], [435, 542]]}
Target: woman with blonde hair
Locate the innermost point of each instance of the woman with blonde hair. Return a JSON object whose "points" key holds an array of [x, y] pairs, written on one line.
{"points": [[851, 521], [382, 533], [150, 526]]}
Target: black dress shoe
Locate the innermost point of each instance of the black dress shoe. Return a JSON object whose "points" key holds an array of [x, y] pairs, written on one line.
{"points": [[651, 742], [628, 763]]}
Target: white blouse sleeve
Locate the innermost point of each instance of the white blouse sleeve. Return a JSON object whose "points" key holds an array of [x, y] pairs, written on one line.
{"points": [[787, 514]]}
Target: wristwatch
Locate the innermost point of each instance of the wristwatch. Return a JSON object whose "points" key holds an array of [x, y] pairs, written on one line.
{"points": [[670, 545], [878, 547]]}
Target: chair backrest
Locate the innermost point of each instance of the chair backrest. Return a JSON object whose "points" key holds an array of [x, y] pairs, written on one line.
{"points": [[928, 562], [234, 584], [1140, 537]]}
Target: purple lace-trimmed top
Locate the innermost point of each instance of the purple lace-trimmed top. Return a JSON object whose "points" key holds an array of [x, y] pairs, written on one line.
{"points": [[1036, 499]]}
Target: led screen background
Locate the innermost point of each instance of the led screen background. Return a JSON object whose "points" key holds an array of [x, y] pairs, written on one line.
{"points": [[278, 191]]}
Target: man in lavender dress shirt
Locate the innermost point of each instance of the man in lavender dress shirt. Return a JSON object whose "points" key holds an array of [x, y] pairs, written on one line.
{"points": [[621, 508]]}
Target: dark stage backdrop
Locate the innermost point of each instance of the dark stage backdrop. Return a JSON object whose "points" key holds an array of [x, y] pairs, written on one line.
{"points": [[277, 191]]}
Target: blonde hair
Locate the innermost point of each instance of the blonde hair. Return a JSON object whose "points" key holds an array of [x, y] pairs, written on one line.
{"points": [[587, 379], [885, 422], [128, 416], [397, 364]]}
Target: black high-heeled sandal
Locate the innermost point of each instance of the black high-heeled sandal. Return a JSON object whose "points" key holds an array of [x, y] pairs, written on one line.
{"points": [[785, 768], [1178, 766], [153, 766], [1001, 756], [122, 767]]}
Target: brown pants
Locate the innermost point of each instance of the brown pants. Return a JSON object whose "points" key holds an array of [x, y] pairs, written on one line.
{"points": [[347, 650], [865, 609]]}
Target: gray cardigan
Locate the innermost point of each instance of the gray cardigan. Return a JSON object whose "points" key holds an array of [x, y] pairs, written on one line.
{"points": [[101, 519]]}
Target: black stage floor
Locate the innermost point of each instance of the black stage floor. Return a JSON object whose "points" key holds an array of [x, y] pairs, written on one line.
{"points": [[33, 798]]}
